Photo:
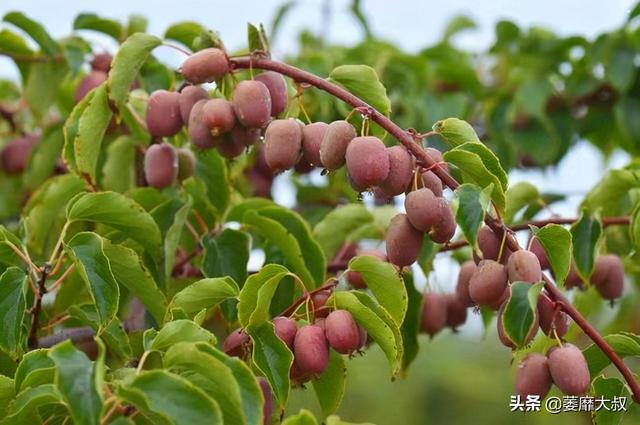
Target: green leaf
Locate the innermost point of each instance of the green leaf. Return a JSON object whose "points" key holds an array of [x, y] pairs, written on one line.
{"points": [[366, 314], [210, 375], [611, 194], [172, 238], [205, 294], [36, 368], [250, 392], [7, 253], [7, 394], [180, 331], [384, 282], [24, 409], [129, 271], [118, 172], [585, 234], [474, 170], [532, 95], [489, 160], [211, 168], [272, 357], [45, 153], [121, 213], [35, 30], [335, 227], [42, 86], [304, 417], [71, 129], [556, 241], [12, 309], [363, 81], [255, 296], [92, 127], [455, 131], [79, 381], [335, 420], [411, 326], [458, 24], [226, 254], [166, 398], [91, 21], [87, 253], [623, 343], [634, 227], [620, 68], [329, 388], [186, 33], [519, 317], [518, 196], [127, 63], [257, 39], [113, 335], [470, 204], [608, 389]]}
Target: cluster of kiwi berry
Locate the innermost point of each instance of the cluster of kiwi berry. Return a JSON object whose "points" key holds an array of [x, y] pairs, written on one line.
{"points": [[309, 343]]}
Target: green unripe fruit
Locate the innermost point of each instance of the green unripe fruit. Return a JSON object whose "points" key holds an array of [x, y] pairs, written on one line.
{"points": [[199, 133], [550, 319], [334, 144], [569, 369], [488, 283], [218, 116], [186, 163], [523, 266], [432, 182], [312, 136], [237, 343], [367, 161], [101, 62], [311, 350], [400, 171], [533, 376], [342, 332], [88, 83], [188, 97], [277, 89], [456, 311], [160, 165], [445, 228], [608, 276], [205, 66], [403, 241], [434, 313], [283, 142], [462, 287], [163, 113], [252, 104], [286, 329], [15, 154], [422, 209]]}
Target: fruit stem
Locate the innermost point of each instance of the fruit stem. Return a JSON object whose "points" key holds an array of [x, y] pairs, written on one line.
{"points": [[424, 159]]}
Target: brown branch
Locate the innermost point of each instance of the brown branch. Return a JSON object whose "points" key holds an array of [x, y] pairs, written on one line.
{"points": [[41, 289], [83, 334], [423, 159]]}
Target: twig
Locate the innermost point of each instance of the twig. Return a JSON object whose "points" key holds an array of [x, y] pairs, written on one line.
{"points": [[83, 334], [32, 341]]}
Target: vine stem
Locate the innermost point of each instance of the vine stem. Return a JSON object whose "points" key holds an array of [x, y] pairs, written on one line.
{"points": [[32, 340], [424, 159]]}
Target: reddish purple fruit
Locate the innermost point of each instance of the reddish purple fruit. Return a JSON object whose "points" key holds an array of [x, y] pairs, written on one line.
{"points": [[218, 116], [569, 369], [245, 136], [400, 171], [283, 142], [536, 247], [434, 312], [436, 155], [456, 311], [573, 279], [163, 113], [523, 266], [422, 209], [286, 329], [355, 278], [14, 156], [311, 350], [550, 319], [403, 241], [88, 83], [101, 62], [227, 146], [342, 332], [533, 376], [186, 163], [334, 144], [199, 133], [188, 97], [489, 244], [267, 409], [364, 337], [367, 161], [277, 89], [488, 283], [445, 228], [312, 136], [160, 165], [236, 344], [462, 287], [319, 299], [432, 182], [252, 104], [205, 66], [608, 276]]}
